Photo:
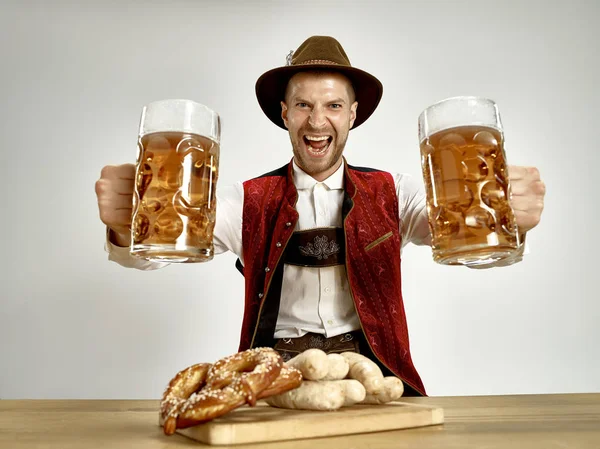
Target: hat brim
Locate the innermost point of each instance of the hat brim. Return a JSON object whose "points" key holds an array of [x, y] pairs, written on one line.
{"points": [[270, 90]]}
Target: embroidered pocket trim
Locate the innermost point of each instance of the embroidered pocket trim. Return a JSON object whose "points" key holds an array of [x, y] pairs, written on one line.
{"points": [[378, 241]]}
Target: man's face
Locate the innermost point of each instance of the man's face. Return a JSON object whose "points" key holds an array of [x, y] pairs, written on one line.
{"points": [[318, 111]]}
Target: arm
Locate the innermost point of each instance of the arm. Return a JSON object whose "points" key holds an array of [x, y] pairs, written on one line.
{"points": [[527, 200], [114, 190], [120, 254], [412, 208]]}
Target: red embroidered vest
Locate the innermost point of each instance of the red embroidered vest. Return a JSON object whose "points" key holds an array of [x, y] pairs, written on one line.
{"points": [[371, 228]]}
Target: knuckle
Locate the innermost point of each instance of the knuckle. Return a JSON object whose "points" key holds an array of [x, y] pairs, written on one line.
{"points": [[99, 187], [102, 188], [541, 187], [106, 171], [534, 172], [104, 215]]}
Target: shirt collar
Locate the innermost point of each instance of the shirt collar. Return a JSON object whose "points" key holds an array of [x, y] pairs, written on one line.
{"points": [[303, 181]]}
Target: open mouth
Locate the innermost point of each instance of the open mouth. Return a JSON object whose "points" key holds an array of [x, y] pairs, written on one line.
{"points": [[317, 145]]}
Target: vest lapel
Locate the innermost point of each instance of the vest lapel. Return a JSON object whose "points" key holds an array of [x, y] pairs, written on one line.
{"points": [[273, 280], [372, 234]]}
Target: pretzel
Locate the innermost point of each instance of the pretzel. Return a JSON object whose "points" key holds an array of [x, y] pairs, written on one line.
{"points": [[288, 379], [180, 388], [255, 368], [203, 391], [208, 404]]}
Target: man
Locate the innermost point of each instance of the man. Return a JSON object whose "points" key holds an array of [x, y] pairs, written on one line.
{"points": [[319, 240]]}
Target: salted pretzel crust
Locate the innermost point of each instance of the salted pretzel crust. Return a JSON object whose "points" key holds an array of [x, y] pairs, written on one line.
{"points": [[203, 392]]}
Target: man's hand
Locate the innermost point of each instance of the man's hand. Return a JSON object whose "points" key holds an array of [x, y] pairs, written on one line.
{"points": [[527, 198], [114, 190]]}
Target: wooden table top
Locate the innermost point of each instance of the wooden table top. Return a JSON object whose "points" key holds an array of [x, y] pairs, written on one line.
{"points": [[524, 421]]}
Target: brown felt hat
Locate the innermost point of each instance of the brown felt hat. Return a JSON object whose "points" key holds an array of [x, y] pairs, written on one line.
{"points": [[316, 53]]}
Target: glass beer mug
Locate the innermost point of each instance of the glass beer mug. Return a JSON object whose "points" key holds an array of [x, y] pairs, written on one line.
{"points": [[174, 203], [466, 181]]}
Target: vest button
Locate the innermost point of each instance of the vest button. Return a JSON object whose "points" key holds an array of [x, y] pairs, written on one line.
{"points": [[260, 295], [288, 224], [278, 244], [267, 269]]}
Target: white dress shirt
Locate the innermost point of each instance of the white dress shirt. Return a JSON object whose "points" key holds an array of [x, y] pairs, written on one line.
{"points": [[312, 299]]}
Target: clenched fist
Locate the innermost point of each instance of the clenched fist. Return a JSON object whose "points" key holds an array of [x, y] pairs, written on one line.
{"points": [[527, 199], [114, 190]]}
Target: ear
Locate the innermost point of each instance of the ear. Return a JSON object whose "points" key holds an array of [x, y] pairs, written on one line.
{"points": [[353, 109], [284, 110]]}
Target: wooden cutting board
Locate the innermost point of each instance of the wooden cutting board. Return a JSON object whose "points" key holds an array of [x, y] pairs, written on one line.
{"points": [[265, 423]]}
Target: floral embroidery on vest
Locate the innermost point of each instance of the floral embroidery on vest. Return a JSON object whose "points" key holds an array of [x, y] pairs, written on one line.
{"points": [[321, 249]]}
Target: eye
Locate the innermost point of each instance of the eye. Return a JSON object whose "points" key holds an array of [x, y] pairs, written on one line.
{"points": [[301, 105], [336, 106]]}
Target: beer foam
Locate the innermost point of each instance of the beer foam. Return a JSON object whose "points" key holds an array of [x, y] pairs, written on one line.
{"points": [[458, 111], [182, 116]]}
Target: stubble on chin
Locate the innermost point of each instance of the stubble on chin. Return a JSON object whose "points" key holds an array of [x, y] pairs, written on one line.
{"points": [[315, 168]]}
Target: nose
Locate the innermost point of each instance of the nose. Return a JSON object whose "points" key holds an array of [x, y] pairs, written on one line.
{"points": [[317, 118]]}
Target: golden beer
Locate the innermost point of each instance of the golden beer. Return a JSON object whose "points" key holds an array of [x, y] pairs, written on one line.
{"points": [[174, 203], [467, 186]]}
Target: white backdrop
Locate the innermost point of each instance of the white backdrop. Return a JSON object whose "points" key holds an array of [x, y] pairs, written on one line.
{"points": [[73, 79]]}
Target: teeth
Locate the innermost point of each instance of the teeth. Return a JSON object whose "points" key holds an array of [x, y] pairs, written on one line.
{"points": [[317, 139], [319, 151]]}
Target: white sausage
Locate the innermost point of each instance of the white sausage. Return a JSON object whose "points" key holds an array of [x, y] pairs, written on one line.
{"points": [[313, 364], [393, 389], [365, 371], [311, 395], [338, 367]]}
